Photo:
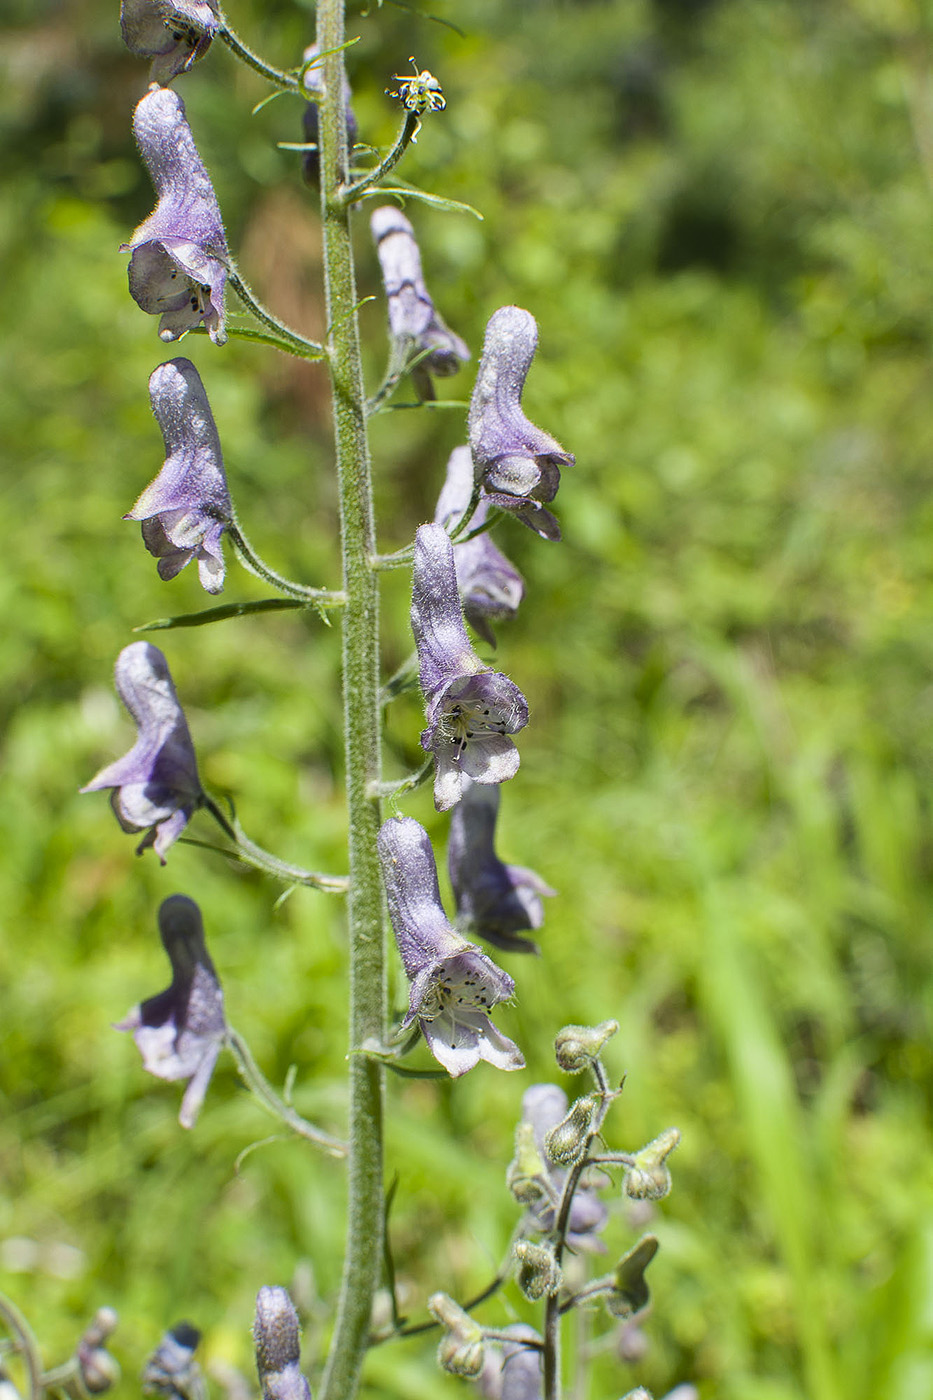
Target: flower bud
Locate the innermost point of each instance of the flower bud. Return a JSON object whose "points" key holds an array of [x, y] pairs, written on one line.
{"points": [[527, 1174], [277, 1341], [171, 1371], [629, 1292], [99, 1370], [566, 1143], [539, 1274], [576, 1047], [648, 1178], [460, 1350]]}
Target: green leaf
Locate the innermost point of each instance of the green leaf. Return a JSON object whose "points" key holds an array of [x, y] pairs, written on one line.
{"points": [[452, 206], [201, 619]]}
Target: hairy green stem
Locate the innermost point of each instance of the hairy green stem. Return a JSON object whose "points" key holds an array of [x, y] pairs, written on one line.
{"points": [[253, 1076], [295, 343], [360, 619], [402, 141], [321, 597], [288, 82]]}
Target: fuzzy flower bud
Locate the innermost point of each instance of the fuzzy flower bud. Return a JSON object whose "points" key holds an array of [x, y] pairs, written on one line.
{"points": [[566, 1142], [649, 1178], [576, 1047], [99, 1370], [527, 1174], [629, 1292], [171, 1371], [461, 1347], [539, 1274], [276, 1337]]}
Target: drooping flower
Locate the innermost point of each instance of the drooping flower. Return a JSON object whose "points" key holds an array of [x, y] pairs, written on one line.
{"points": [[314, 83], [156, 785], [181, 1031], [276, 1337], [544, 1106], [178, 268], [518, 464], [414, 321], [453, 983], [470, 709], [494, 900], [171, 1371], [512, 1369], [173, 33], [186, 509], [490, 586]]}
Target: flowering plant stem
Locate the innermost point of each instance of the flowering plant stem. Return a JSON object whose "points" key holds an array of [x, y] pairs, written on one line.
{"points": [[360, 619]]}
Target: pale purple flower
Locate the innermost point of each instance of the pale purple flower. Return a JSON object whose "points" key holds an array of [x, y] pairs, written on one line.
{"points": [[453, 983], [470, 709], [518, 464], [171, 1371], [178, 270], [494, 901], [314, 83], [544, 1106], [173, 33], [156, 785], [187, 508], [181, 1031], [490, 586], [512, 1371], [414, 321], [276, 1337]]}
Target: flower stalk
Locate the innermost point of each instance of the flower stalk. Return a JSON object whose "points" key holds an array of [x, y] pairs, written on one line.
{"points": [[360, 620]]}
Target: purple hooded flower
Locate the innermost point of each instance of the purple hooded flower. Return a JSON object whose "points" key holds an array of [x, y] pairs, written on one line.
{"points": [[171, 1371], [413, 319], [173, 33], [544, 1106], [180, 1032], [156, 785], [512, 1371], [490, 587], [518, 464], [187, 508], [314, 83], [276, 1336], [494, 901], [178, 270], [453, 983], [471, 709]]}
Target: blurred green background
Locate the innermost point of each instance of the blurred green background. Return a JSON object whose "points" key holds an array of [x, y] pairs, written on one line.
{"points": [[720, 214]]}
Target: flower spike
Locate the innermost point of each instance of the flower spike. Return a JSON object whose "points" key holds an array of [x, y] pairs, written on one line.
{"points": [[413, 318], [518, 464], [156, 785], [186, 509], [175, 34], [490, 586], [494, 901], [471, 710], [181, 1031], [453, 984], [178, 268]]}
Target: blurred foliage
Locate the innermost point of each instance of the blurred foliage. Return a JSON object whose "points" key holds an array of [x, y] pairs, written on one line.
{"points": [[719, 213]]}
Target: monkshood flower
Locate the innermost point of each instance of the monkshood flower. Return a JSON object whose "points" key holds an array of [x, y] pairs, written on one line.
{"points": [[490, 586], [470, 709], [413, 318], [180, 1032], [173, 33], [518, 464], [171, 1370], [314, 83], [178, 270], [187, 508], [453, 984], [156, 785], [544, 1106], [512, 1371], [276, 1337], [494, 900]]}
